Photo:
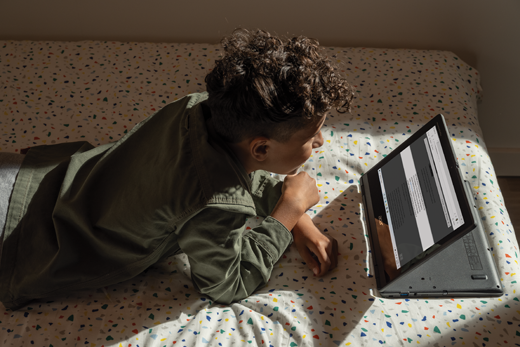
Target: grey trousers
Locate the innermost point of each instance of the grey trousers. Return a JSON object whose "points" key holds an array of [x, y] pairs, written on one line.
{"points": [[10, 164]]}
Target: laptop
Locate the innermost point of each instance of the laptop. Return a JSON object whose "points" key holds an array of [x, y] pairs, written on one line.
{"points": [[426, 238]]}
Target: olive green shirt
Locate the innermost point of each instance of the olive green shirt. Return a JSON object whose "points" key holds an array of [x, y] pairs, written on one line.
{"points": [[83, 217]]}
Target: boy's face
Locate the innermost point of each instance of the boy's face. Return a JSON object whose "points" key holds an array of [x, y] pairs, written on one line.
{"points": [[287, 157]]}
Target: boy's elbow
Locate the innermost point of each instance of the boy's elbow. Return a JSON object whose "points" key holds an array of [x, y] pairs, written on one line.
{"points": [[225, 294], [229, 290]]}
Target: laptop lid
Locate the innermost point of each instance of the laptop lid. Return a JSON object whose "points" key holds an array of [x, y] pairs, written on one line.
{"points": [[415, 202]]}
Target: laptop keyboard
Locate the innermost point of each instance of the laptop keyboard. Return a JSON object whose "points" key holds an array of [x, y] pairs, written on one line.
{"points": [[472, 252]]}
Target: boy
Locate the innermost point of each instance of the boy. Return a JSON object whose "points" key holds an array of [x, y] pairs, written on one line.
{"points": [[183, 180]]}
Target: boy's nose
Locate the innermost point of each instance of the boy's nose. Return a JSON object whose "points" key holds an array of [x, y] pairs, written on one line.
{"points": [[318, 140]]}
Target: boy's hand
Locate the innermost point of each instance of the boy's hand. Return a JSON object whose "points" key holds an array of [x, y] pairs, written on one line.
{"points": [[309, 240], [301, 190], [299, 193]]}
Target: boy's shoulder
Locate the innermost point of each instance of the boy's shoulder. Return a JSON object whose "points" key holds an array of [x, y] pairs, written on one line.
{"points": [[220, 175], [218, 171]]}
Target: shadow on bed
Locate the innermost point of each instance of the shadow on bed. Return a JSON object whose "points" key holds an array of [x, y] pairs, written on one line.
{"points": [[294, 305], [337, 302]]}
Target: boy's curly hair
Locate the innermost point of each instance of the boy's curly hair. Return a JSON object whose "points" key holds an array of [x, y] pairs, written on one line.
{"points": [[263, 86]]}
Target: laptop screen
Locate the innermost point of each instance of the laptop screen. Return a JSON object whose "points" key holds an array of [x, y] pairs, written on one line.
{"points": [[417, 199], [420, 201]]}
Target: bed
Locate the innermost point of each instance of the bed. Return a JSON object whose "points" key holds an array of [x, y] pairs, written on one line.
{"points": [[97, 91]]}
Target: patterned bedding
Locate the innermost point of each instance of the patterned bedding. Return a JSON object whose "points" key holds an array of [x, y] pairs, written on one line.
{"points": [[53, 92]]}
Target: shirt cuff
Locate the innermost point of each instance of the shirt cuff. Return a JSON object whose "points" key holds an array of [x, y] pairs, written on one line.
{"points": [[272, 236]]}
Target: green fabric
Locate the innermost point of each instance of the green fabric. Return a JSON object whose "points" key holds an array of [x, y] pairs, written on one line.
{"points": [[84, 217]]}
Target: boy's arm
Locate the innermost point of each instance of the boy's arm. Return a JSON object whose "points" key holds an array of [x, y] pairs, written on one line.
{"points": [[309, 241], [228, 262], [318, 250]]}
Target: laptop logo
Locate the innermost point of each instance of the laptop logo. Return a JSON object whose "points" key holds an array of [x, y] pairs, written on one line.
{"points": [[380, 220]]}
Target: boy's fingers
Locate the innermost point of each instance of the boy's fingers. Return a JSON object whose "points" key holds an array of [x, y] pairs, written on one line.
{"points": [[306, 254], [323, 258], [329, 255]]}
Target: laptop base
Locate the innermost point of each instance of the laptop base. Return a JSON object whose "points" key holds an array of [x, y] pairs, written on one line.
{"points": [[464, 269]]}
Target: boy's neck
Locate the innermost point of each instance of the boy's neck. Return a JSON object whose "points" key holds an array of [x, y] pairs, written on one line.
{"points": [[240, 150]]}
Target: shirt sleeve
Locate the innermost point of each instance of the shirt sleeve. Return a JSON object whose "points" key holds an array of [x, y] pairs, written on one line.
{"points": [[228, 262], [266, 192]]}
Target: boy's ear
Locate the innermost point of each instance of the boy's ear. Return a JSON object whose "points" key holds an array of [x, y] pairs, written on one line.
{"points": [[259, 148]]}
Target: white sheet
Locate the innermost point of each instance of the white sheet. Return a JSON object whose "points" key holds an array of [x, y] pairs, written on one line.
{"points": [[96, 91]]}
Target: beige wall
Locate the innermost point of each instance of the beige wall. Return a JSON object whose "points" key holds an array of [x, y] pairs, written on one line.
{"points": [[486, 34]]}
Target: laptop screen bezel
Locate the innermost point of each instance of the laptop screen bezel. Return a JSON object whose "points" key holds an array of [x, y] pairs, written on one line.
{"points": [[372, 196]]}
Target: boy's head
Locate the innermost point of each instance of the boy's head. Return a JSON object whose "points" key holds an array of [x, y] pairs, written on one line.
{"points": [[265, 87]]}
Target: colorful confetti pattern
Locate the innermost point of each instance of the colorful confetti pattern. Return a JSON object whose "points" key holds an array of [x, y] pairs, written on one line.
{"points": [[53, 92]]}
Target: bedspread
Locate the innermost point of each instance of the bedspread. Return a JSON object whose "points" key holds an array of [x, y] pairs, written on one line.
{"points": [[54, 92]]}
